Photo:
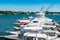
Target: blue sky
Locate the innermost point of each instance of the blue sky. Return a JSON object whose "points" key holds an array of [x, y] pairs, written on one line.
{"points": [[29, 5]]}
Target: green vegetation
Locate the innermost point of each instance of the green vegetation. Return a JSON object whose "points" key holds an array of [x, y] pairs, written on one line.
{"points": [[20, 12], [15, 13], [47, 12]]}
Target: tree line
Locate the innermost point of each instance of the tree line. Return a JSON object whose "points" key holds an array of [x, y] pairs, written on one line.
{"points": [[21, 12], [14, 12]]}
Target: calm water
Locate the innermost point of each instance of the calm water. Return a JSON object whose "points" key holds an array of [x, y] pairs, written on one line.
{"points": [[6, 21]]}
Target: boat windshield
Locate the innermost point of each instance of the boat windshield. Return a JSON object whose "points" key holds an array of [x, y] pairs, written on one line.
{"points": [[50, 33], [36, 31]]}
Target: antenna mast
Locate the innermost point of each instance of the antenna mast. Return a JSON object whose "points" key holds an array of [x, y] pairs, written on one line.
{"points": [[42, 14], [42, 8]]}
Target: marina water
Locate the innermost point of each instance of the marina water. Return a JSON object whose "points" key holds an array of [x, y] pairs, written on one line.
{"points": [[7, 21]]}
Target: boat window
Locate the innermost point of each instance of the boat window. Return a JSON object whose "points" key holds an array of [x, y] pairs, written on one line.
{"points": [[31, 25], [50, 33], [47, 24], [35, 21], [45, 28], [32, 31]]}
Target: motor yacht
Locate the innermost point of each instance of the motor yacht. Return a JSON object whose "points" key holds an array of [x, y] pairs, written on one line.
{"points": [[15, 31], [23, 21], [39, 28], [36, 29]]}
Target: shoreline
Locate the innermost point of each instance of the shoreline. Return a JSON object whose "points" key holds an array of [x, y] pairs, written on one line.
{"points": [[21, 12]]}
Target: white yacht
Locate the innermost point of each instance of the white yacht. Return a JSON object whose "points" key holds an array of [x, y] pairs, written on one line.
{"points": [[23, 21], [19, 24], [16, 31], [38, 28]]}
